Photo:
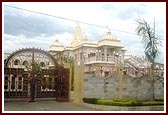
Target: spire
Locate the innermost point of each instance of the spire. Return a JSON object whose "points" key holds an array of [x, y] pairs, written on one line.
{"points": [[77, 36], [108, 30]]}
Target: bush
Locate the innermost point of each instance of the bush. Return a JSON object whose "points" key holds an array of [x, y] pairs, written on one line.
{"points": [[159, 99], [90, 100], [136, 103], [151, 103], [121, 102]]}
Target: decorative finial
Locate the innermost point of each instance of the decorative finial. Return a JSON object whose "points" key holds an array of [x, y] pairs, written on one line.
{"points": [[77, 22], [108, 29], [56, 39]]}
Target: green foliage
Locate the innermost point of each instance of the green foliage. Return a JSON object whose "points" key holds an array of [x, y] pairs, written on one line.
{"points": [[151, 44], [72, 76], [121, 102], [159, 99], [151, 103], [150, 41], [90, 100]]}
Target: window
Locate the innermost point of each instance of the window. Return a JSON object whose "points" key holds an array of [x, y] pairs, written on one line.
{"points": [[6, 77], [106, 73], [5, 86], [16, 62], [20, 78], [13, 78], [20, 87], [42, 64], [13, 86], [25, 63]]}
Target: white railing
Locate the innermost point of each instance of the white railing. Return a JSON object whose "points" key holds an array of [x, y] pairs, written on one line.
{"points": [[108, 59]]}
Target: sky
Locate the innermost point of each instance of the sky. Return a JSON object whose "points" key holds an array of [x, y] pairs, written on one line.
{"points": [[26, 29]]}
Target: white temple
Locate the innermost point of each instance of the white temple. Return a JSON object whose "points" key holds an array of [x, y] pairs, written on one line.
{"points": [[101, 58]]}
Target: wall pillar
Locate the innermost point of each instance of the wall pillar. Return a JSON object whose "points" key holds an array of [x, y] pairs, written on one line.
{"points": [[68, 65], [120, 84], [78, 83]]}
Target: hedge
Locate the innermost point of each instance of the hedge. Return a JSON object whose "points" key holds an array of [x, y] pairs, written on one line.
{"points": [[121, 102]]}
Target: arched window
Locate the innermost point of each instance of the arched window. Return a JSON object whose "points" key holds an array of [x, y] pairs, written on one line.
{"points": [[42, 64], [16, 62], [25, 63]]}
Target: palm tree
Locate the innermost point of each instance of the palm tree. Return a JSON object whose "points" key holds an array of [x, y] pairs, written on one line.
{"points": [[151, 43]]}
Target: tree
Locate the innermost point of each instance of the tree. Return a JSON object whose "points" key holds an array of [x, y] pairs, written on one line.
{"points": [[151, 44]]}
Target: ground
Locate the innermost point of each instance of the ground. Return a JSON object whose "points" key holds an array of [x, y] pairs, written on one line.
{"points": [[43, 106]]}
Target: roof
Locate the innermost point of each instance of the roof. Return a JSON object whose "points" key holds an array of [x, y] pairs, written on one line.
{"points": [[110, 40], [109, 36], [56, 46]]}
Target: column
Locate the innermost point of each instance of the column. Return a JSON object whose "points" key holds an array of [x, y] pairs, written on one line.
{"points": [[78, 83], [105, 53]]}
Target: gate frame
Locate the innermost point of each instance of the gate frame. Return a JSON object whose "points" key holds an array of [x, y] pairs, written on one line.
{"points": [[58, 97]]}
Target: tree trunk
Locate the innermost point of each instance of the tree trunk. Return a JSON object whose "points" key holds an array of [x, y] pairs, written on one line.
{"points": [[152, 92]]}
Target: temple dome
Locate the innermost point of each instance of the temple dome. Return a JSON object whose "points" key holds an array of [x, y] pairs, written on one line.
{"points": [[110, 40], [109, 36], [56, 46]]}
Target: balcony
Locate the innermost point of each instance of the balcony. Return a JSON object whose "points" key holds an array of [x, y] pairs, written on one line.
{"points": [[102, 59]]}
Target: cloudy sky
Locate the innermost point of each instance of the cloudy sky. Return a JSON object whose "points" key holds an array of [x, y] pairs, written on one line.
{"points": [[26, 29]]}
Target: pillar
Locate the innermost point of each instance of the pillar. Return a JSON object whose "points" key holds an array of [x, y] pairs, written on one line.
{"points": [[105, 53], [68, 65], [78, 83], [120, 83]]}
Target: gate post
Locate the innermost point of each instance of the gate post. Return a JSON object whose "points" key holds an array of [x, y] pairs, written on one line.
{"points": [[78, 83], [67, 66]]}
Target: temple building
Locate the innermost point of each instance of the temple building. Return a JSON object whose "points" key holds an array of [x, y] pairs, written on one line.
{"points": [[99, 57], [102, 58], [84, 69]]}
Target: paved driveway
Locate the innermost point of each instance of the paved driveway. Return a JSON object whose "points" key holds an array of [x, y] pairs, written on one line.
{"points": [[43, 106]]}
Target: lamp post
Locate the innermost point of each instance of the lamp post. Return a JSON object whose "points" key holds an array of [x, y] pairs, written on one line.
{"points": [[32, 80]]}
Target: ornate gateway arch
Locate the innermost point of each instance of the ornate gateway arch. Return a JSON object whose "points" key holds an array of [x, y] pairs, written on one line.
{"points": [[33, 50], [35, 73]]}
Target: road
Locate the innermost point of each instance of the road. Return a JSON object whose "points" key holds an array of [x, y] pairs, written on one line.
{"points": [[43, 106]]}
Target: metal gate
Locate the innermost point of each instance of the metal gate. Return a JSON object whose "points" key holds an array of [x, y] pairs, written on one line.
{"points": [[48, 83]]}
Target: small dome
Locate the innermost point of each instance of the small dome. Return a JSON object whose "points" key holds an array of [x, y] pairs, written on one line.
{"points": [[56, 46], [109, 40], [109, 36], [56, 43]]}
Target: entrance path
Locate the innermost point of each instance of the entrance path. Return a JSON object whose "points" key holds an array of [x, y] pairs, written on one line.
{"points": [[43, 106]]}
